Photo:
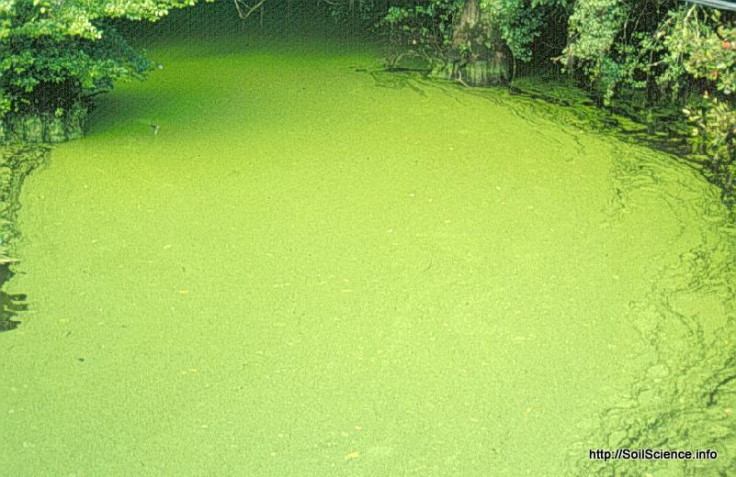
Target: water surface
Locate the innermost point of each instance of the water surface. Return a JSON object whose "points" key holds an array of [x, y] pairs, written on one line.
{"points": [[315, 270]]}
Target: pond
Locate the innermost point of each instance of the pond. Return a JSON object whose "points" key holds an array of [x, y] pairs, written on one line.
{"points": [[271, 258]]}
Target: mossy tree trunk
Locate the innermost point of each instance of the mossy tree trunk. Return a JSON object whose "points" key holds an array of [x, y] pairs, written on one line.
{"points": [[44, 127], [478, 56]]}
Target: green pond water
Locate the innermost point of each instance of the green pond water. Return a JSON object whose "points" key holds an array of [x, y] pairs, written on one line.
{"points": [[318, 269]]}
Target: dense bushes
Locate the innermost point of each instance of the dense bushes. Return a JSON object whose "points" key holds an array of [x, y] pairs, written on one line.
{"points": [[664, 53], [642, 54], [54, 55], [630, 54]]}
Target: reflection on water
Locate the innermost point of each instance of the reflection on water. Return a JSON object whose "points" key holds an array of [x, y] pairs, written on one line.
{"points": [[10, 304], [16, 163]]}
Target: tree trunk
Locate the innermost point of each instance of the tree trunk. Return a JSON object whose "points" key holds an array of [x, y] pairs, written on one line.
{"points": [[44, 127], [469, 17], [478, 56]]}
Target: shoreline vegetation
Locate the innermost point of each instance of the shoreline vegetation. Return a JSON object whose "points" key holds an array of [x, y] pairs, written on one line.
{"points": [[669, 66], [676, 100], [468, 42]]}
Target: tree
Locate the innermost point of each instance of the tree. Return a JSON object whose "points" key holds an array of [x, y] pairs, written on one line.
{"points": [[452, 38], [55, 54]]}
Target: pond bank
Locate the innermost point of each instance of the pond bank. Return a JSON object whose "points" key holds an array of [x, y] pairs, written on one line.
{"points": [[312, 269], [16, 163]]}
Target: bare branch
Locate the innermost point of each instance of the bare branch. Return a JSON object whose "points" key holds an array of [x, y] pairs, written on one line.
{"points": [[240, 5]]}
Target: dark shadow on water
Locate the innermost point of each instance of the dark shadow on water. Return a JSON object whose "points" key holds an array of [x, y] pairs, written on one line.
{"points": [[17, 161], [10, 305]]}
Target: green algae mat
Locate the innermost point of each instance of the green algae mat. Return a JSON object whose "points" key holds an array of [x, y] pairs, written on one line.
{"points": [[314, 268]]}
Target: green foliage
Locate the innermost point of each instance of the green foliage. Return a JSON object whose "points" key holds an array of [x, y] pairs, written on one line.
{"points": [[701, 45], [362, 14], [673, 52], [54, 53], [594, 26], [706, 50], [714, 131], [521, 21], [629, 45], [714, 137], [76, 18], [424, 29]]}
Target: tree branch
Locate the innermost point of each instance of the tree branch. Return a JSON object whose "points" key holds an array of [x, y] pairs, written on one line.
{"points": [[243, 16]]}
